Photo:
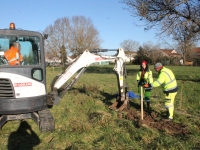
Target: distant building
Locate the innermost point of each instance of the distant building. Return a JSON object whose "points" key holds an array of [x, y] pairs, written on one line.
{"points": [[196, 52], [196, 56], [69, 60], [130, 55], [55, 61], [174, 57]]}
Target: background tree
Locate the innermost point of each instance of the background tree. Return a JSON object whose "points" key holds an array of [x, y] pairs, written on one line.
{"points": [[58, 38], [185, 42], [170, 16], [166, 12], [141, 55], [70, 36], [130, 45], [152, 51], [63, 55], [149, 52], [28, 59], [83, 35]]}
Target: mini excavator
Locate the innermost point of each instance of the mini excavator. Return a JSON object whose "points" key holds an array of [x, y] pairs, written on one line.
{"points": [[23, 93]]}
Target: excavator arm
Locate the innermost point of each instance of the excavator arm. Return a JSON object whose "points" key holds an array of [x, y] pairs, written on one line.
{"points": [[60, 84]]}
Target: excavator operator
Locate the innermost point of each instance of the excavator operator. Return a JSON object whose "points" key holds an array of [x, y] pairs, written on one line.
{"points": [[13, 54]]}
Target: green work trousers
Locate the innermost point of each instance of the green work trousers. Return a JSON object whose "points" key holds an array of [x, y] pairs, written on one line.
{"points": [[146, 94]]}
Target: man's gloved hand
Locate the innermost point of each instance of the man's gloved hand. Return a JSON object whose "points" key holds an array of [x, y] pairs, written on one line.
{"points": [[147, 86]]}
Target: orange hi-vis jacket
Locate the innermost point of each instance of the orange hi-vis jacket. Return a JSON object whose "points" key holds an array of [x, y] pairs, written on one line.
{"points": [[13, 56]]}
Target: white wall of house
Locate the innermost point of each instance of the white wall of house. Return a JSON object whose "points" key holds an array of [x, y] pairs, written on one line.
{"points": [[129, 59]]}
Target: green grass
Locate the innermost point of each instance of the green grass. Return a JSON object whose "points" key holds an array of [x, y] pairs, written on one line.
{"points": [[84, 122]]}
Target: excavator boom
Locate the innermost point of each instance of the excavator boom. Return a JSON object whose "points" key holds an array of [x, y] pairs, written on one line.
{"points": [[60, 85]]}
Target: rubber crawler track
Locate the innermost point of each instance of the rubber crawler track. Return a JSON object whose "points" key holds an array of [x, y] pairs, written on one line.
{"points": [[46, 121]]}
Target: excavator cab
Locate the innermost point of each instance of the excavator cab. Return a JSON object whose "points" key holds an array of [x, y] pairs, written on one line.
{"points": [[23, 86]]}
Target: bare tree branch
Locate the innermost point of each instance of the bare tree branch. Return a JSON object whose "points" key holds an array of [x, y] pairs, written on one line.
{"points": [[75, 36], [84, 35], [155, 12], [178, 19], [56, 44]]}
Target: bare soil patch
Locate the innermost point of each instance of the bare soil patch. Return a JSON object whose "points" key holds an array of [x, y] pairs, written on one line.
{"points": [[156, 121]]}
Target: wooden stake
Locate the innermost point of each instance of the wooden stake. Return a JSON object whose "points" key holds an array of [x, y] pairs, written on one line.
{"points": [[141, 99], [181, 95]]}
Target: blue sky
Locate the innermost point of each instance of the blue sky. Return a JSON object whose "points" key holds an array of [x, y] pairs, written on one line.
{"points": [[108, 16]]}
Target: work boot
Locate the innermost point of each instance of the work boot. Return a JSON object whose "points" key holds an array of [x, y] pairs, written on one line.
{"points": [[168, 119], [167, 113]]}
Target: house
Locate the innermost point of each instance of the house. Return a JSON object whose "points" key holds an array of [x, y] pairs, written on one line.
{"points": [[130, 55], [55, 61], [196, 56], [174, 57], [70, 60], [196, 52]]}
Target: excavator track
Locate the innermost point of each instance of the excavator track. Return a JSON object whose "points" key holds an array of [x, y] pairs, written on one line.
{"points": [[46, 122]]}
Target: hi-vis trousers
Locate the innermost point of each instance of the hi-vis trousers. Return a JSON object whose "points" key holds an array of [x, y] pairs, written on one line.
{"points": [[169, 103]]}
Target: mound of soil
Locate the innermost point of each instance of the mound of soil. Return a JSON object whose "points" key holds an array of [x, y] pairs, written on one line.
{"points": [[156, 121]]}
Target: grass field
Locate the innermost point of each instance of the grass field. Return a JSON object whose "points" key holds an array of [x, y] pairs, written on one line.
{"points": [[83, 120]]}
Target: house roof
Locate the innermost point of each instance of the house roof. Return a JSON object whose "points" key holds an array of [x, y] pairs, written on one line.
{"points": [[167, 51], [196, 50], [170, 52]]}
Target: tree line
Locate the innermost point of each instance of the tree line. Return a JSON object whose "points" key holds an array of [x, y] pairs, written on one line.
{"points": [[72, 36], [178, 20]]}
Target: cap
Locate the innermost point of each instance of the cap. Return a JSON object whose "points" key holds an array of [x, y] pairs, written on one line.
{"points": [[144, 62], [157, 65]]}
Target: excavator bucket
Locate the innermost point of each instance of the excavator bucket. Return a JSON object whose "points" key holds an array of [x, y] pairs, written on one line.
{"points": [[121, 104]]}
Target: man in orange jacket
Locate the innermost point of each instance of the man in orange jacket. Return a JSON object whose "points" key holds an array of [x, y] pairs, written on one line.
{"points": [[13, 55]]}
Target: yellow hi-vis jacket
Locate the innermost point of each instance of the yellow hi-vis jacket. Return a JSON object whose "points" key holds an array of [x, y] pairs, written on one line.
{"points": [[167, 79], [147, 76]]}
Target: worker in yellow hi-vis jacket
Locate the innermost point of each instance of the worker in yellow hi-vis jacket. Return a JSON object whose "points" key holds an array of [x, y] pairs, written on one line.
{"points": [[168, 81], [144, 76]]}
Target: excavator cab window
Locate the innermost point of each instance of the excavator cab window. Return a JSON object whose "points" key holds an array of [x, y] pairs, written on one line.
{"points": [[30, 48]]}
